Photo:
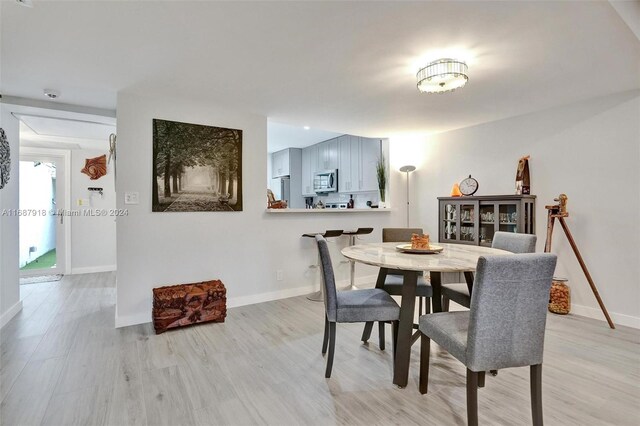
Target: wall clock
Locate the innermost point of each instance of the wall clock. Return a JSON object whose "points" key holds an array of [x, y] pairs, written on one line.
{"points": [[468, 186]]}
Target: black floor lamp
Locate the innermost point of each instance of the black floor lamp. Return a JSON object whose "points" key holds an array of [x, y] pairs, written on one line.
{"points": [[407, 170]]}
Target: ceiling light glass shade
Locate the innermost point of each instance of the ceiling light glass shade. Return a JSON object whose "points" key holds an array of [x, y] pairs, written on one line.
{"points": [[443, 75]]}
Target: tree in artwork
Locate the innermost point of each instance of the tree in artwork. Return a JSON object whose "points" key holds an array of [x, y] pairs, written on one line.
{"points": [[196, 167]]}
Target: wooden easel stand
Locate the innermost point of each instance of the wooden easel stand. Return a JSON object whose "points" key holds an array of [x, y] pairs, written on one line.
{"points": [[553, 214]]}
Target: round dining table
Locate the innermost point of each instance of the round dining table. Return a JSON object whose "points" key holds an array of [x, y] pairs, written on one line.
{"points": [[453, 258]]}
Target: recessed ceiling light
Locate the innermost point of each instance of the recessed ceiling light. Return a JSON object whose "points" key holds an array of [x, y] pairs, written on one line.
{"points": [[306, 127], [51, 94], [25, 3]]}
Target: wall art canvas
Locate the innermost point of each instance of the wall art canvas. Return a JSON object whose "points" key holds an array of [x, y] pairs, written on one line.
{"points": [[196, 168]]}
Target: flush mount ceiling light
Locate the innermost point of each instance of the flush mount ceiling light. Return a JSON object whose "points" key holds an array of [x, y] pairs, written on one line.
{"points": [[443, 75], [25, 3]]}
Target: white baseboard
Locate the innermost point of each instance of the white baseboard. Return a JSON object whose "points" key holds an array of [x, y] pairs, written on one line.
{"points": [[126, 321], [93, 269], [596, 313], [233, 302], [10, 313]]}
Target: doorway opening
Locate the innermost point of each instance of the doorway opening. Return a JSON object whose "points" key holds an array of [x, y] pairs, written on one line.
{"points": [[42, 208], [38, 224]]}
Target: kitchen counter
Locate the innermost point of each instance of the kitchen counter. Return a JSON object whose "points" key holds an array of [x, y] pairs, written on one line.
{"points": [[365, 210]]}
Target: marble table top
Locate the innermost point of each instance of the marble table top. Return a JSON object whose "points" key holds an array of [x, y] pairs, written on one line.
{"points": [[454, 257]]}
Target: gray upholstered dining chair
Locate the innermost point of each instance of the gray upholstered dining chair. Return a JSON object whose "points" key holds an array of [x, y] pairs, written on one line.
{"points": [[504, 327], [393, 282], [351, 306], [509, 241]]}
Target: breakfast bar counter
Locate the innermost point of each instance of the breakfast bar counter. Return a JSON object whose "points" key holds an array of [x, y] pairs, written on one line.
{"points": [[366, 210]]}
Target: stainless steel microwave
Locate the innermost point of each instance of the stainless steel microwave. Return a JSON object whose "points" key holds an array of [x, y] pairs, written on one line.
{"points": [[325, 181]]}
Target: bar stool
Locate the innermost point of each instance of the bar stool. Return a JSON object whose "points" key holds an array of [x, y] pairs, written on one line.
{"points": [[352, 264], [318, 296]]}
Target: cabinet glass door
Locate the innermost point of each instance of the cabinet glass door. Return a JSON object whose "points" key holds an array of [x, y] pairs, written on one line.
{"points": [[508, 217], [450, 218], [468, 229], [460, 222], [487, 224]]}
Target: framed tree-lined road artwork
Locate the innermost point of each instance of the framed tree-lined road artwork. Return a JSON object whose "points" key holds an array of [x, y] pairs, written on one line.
{"points": [[196, 168]]}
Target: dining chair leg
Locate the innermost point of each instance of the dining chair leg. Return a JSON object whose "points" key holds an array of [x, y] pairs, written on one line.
{"points": [[536, 394], [332, 348], [472, 398], [445, 304], [427, 305], [368, 326], [325, 341], [481, 379], [420, 306], [425, 346], [394, 332], [381, 335], [366, 333]]}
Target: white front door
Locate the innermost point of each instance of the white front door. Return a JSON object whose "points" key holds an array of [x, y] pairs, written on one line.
{"points": [[43, 212]]}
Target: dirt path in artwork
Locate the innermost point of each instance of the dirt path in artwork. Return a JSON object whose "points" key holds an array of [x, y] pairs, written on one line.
{"points": [[193, 201]]}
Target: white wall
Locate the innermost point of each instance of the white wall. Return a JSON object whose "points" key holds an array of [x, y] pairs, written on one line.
{"points": [[93, 238], [591, 152], [243, 249], [36, 193], [9, 279]]}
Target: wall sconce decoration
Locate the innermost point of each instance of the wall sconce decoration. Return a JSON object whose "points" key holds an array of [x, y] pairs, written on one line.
{"points": [[5, 159], [96, 167]]}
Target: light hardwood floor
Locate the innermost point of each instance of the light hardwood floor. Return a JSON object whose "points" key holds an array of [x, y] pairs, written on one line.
{"points": [[63, 362]]}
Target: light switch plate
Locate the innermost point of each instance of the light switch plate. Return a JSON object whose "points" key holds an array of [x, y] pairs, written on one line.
{"points": [[131, 197]]}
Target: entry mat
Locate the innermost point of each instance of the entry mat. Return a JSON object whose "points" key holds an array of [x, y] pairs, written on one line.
{"points": [[40, 279]]}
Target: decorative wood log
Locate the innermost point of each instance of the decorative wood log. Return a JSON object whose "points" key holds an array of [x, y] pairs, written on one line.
{"points": [[187, 304]]}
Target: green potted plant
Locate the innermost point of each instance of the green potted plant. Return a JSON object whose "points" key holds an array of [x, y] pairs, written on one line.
{"points": [[381, 173]]}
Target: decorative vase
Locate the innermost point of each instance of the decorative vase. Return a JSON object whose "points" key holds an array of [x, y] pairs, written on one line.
{"points": [[382, 203]]}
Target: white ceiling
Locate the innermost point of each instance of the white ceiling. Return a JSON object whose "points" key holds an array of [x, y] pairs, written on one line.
{"points": [[347, 67], [63, 130], [68, 128]]}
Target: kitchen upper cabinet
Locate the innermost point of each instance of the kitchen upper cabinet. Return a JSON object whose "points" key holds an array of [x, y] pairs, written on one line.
{"points": [[369, 154], [344, 163], [349, 163], [357, 168], [328, 155], [353, 156], [280, 164], [309, 167]]}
